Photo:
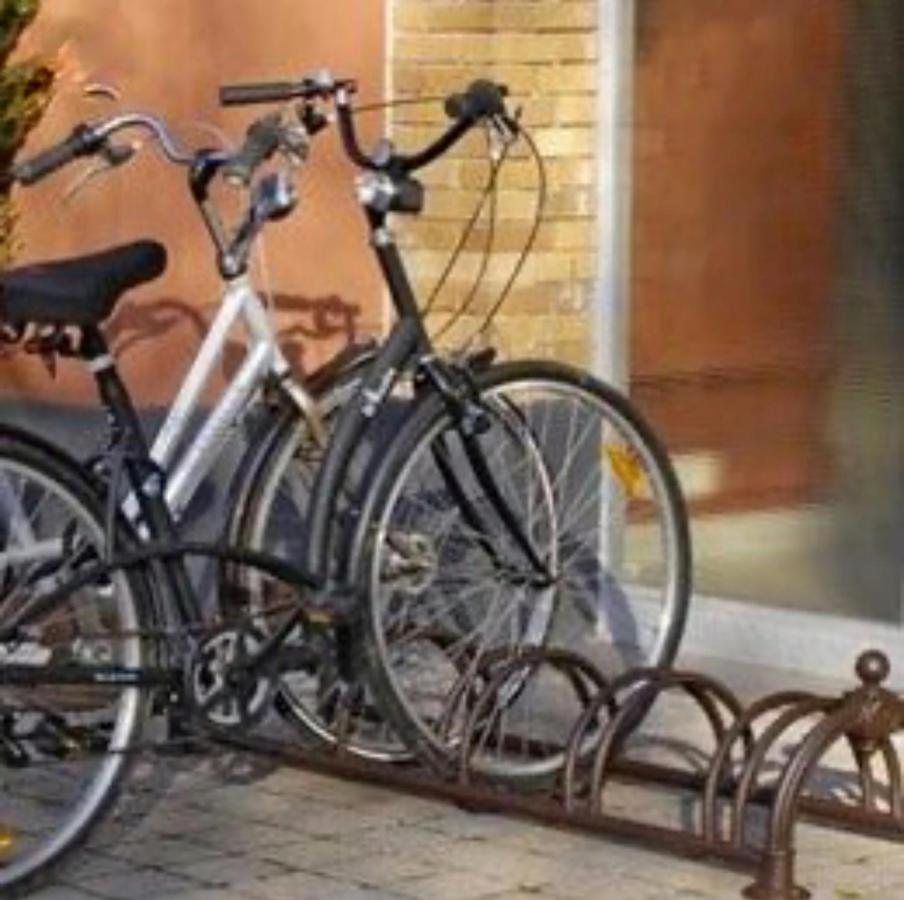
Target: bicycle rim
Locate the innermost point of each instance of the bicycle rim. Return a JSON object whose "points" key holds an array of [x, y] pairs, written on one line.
{"points": [[313, 697], [65, 747]]}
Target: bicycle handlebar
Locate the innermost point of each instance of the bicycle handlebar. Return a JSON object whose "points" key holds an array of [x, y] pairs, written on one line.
{"points": [[264, 92], [83, 141], [319, 85], [481, 100], [86, 140]]}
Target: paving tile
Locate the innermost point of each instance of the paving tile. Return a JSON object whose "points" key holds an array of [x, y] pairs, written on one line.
{"points": [[539, 892], [377, 870], [162, 852], [61, 892], [237, 836], [217, 893], [315, 887], [88, 864], [143, 883], [227, 871], [311, 854], [454, 886]]}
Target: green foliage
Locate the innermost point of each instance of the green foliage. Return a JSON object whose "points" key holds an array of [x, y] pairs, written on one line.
{"points": [[24, 92], [14, 16]]}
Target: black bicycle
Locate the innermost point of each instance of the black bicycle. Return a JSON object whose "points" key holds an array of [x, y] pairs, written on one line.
{"points": [[505, 507]]}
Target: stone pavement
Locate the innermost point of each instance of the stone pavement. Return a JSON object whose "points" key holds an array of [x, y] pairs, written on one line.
{"points": [[235, 826]]}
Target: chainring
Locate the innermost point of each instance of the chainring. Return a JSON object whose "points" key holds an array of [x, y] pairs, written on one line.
{"points": [[222, 689]]}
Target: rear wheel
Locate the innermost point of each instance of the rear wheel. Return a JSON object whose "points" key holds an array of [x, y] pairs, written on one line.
{"points": [[454, 599], [314, 697], [64, 748]]}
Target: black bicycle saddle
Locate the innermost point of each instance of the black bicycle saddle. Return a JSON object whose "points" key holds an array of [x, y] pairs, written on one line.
{"points": [[78, 291]]}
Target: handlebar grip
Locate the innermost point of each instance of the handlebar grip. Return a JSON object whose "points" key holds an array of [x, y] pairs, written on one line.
{"points": [[81, 142], [262, 92], [482, 98], [262, 140]]}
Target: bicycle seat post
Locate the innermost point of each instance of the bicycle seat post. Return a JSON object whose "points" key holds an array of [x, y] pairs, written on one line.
{"points": [[145, 478]]}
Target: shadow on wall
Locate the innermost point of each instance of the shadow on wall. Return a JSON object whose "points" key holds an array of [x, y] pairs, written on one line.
{"points": [[310, 319], [162, 325], [300, 322]]}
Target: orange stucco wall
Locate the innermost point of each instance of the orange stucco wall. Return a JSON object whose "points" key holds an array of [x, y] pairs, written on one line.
{"points": [[169, 56]]}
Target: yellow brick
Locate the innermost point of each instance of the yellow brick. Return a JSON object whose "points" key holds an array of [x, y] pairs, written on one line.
{"points": [[571, 202], [443, 203], [544, 52], [545, 16], [413, 79], [541, 16], [578, 141], [566, 79], [509, 236], [410, 139], [495, 48], [574, 110], [535, 111], [419, 16], [557, 337], [538, 298]]}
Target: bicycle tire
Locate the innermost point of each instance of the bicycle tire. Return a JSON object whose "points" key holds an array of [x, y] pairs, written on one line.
{"points": [[273, 493], [614, 444], [72, 499]]}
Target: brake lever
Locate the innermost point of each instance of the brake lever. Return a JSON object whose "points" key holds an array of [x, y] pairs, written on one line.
{"points": [[110, 156]]}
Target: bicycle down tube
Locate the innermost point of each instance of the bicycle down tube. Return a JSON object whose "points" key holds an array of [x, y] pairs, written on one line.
{"points": [[263, 358]]}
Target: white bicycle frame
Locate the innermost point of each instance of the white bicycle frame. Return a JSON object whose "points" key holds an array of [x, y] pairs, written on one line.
{"points": [[263, 358]]}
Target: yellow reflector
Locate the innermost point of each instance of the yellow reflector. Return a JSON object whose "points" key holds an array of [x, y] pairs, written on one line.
{"points": [[7, 842], [628, 469]]}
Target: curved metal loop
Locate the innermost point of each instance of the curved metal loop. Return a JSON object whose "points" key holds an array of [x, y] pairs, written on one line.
{"points": [[741, 729], [757, 757], [576, 750], [775, 876], [868, 783], [459, 692], [893, 771], [705, 691], [584, 678]]}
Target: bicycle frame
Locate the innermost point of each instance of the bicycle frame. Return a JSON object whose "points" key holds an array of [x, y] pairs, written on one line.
{"points": [[408, 347], [264, 363]]}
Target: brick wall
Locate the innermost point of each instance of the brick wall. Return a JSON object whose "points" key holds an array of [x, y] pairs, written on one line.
{"points": [[545, 51]]}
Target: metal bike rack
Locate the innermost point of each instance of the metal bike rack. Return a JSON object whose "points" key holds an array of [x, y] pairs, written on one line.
{"points": [[735, 790]]}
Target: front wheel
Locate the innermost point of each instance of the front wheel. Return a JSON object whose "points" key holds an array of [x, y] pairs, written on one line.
{"points": [[455, 594], [65, 743]]}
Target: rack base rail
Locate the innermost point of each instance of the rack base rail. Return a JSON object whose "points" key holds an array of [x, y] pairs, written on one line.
{"points": [[739, 788]]}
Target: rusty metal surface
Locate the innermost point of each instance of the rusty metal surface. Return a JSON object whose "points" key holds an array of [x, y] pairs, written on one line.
{"points": [[748, 801]]}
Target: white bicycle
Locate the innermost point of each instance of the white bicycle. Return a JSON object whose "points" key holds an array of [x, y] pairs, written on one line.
{"points": [[283, 419]]}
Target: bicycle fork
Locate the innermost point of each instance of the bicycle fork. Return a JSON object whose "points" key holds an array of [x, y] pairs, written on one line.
{"points": [[456, 387]]}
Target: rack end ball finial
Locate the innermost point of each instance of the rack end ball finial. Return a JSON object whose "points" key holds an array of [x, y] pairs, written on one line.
{"points": [[872, 667]]}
